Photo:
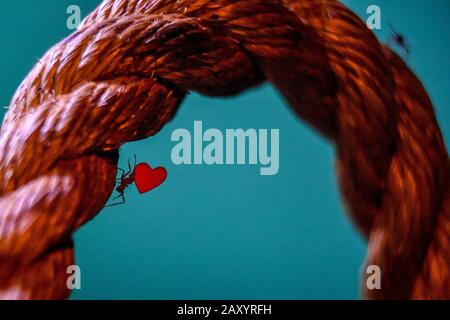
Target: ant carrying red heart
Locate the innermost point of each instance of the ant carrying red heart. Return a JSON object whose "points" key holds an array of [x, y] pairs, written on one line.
{"points": [[142, 175]]}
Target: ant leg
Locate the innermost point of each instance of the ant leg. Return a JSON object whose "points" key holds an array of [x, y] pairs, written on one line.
{"points": [[129, 166], [117, 203], [114, 204], [122, 176], [116, 197], [122, 198], [132, 167], [134, 164], [129, 169]]}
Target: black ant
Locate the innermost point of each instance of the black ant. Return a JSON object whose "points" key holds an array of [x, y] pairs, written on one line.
{"points": [[400, 40], [124, 181]]}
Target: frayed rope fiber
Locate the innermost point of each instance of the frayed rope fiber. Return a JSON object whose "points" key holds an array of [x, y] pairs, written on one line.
{"points": [[122, 75]]}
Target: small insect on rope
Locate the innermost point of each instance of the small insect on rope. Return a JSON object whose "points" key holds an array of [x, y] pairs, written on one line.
{"points": [[124, 181], [123, 74], [400, 40], [142, 175]]}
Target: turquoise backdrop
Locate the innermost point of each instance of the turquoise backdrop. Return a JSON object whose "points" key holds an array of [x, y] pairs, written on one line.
{"points": [[225, 232]]}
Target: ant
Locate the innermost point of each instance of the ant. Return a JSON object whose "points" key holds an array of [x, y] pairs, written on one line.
{"points": [[124, 181], [400, 40]]}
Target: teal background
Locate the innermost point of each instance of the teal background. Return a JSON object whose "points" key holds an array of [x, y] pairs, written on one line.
{"points": [[225, 232]]}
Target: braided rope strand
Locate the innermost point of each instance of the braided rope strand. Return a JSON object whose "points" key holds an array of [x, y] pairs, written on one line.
{"points": [[122, 75]]}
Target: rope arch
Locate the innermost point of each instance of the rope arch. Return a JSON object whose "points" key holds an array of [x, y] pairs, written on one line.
{"points": [[122, 75]]}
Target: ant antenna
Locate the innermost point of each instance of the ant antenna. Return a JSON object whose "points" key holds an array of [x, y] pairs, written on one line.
{"points": [[134, 164]]}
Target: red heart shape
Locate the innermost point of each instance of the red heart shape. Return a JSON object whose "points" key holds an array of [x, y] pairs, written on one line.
{"points": [[147, 179]]}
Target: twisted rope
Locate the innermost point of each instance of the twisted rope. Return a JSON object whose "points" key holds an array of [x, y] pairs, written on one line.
{"points": [[124, 73]]}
